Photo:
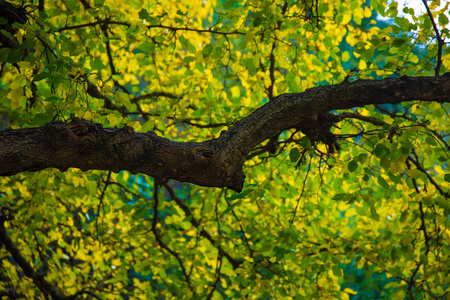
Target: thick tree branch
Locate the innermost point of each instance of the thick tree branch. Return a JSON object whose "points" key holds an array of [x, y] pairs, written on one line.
{"points": [[217, 162]]}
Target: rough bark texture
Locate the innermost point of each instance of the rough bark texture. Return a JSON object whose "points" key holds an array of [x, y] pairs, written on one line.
{"points": [[215, 163]]}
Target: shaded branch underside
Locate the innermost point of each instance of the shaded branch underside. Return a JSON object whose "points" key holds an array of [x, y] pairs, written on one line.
{"points": [[214, 163]]}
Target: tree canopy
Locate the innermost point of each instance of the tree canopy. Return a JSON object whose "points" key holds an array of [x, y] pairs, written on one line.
{"points": [[224, 149]]}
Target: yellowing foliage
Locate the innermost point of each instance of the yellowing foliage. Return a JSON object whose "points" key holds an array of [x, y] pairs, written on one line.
{"points": [[370, 220]]}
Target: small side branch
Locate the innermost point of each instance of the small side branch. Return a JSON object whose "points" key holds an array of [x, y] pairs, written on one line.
{"points": [[235, 263], [45, 287], [440, 40], [158, 237]]}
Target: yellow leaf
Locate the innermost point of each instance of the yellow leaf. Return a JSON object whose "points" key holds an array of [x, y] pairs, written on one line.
{"points": [[358, 12], [345, 56], [351, 40], [362, 64], [136, 125], [346, 19], [15, 95], [235, 92], [350, 291], [78, 181], [350, 213], [31, 293], [116, 262], [87, 115], [112, 119], [367, 12]]}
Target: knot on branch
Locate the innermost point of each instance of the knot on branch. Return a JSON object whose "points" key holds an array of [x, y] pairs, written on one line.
{"points": [[203, 152], [83, 133], [318, 128]]}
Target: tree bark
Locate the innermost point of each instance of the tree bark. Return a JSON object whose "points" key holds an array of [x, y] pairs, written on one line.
{"points": [[214, 163]]}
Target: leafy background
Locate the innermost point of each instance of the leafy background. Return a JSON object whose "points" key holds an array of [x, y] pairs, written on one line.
{"points": [[371, 220]]}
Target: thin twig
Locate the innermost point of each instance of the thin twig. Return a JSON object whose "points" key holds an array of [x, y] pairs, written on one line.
{"points": [[439, 39]]}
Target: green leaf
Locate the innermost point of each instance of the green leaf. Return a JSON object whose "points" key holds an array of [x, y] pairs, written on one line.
{"points": [[188, 59], [380, 150], [143, 14], [394, 178], [4, 53], [305, 142], [352, 166], [340, 196], [316, 229], [207, 50], [414, 173], [72, 5], [41, 76], [385, 162], [140, 213], [442, 19], [402, 22], [294, 155], [3, 93], [382, 182], [229, 3], [192, 49], [14, 56], [210, 93], [184, 42], [230, 207], [67, 44], [187, 45], [248, 63], [337, 271], [398, 42], [97, 64], [99, 3], [257, 21], [241, 195], [447, 177], [431, 141], [146, 47], [424, 259], [374, 213], [200, 67], [217, 52]]}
